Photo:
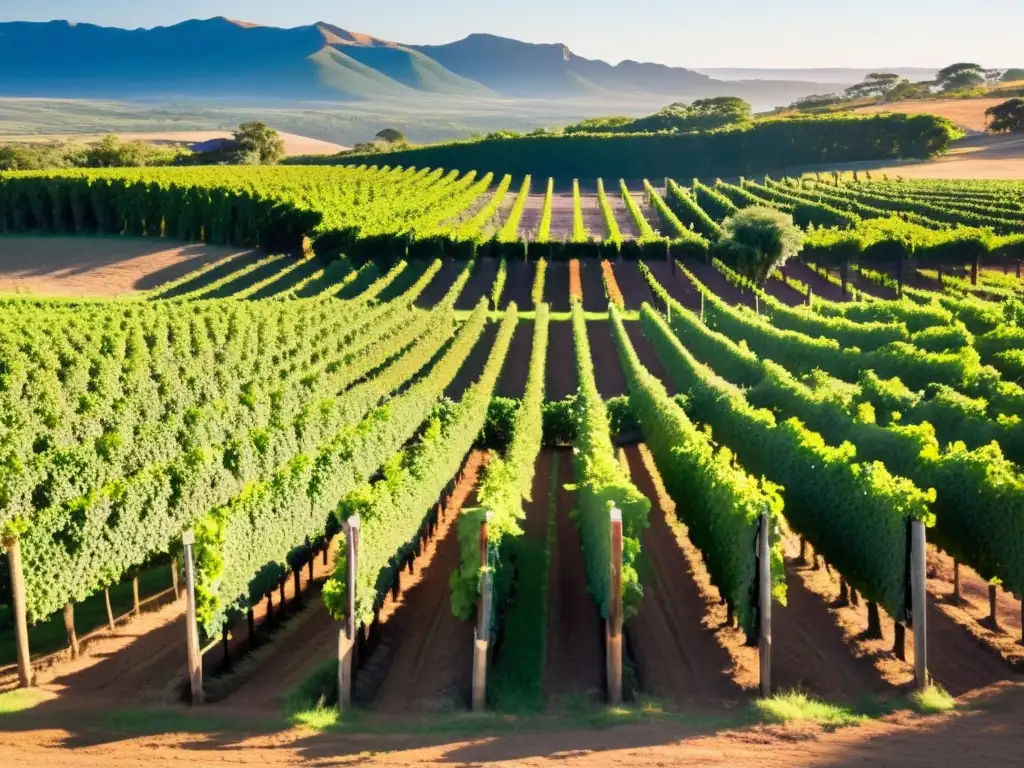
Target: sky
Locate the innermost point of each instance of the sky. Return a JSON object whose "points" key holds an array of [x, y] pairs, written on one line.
{"points": [[709, 33]]}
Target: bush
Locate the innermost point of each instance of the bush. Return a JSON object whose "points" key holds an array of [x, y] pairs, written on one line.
{"points": [[757, 241]]}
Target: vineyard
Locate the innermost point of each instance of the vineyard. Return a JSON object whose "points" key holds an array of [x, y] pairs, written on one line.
{"points": [[436, 440]]}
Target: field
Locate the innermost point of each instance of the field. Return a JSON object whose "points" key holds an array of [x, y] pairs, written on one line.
{"points": [[282, 350], [293, 144], [967, 113]]}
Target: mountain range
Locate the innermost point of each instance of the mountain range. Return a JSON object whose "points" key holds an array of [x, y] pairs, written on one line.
{"points": [[224, 58]]}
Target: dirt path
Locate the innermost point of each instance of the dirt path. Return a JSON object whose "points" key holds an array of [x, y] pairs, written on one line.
{"points": [[438, 288], [673, 281], [784, 292], [575, 665], [717, 283], [677, 658], [594, 299], [561, 216], [632, 284], [481, 281], [471, 369], [593, 221], [134, 664], [647, 354], [611, 380], [622, 217], [517, 365], [561, 362], [429, 650], [533, 211], [556, 286], [819, 286], [100, 266], [519, 284]]}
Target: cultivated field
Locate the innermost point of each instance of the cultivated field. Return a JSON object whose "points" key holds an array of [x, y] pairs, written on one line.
{"points": [[459, 342]]}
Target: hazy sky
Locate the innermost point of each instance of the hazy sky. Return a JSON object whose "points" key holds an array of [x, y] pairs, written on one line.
{"points": [[715, 33]]}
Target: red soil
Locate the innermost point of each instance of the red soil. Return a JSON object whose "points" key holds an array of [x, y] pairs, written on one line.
{"points": [[561, 216], [480, 283], [648, 357], [561, 362], [632, 284], [471, 369], [594, 298], [676, 283], [429, 650], [819, 286], [556, 286], [784, 292], [622, 217], [611, 380], [533, 211], [676, 656], [575, 663], [517, 364], [99, 266], [593, 221], [716, 282]]}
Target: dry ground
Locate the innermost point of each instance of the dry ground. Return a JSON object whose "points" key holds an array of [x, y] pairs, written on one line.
{"points": [[100, 266], [293, 144], [967, 113]]}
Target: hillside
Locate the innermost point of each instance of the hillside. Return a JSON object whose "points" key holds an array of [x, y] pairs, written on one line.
{"points": [[221, 57]]}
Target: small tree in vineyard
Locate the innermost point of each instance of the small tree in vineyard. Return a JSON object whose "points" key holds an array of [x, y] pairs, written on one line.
{"points": [[258, 144], [757, 241], [1006, 117]]}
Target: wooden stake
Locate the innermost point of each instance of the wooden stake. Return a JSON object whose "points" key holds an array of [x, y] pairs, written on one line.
{"points": [[69, 627], [874, 621], [195, 658], [764, 604], [803, 551], [326, 548], [110, 612], [844, 271], [854, 598], [993, 614], [956, 582], [136, 604], [174, 577], [482, 633], [974, 271], [20, 613], [280, 587], [919, 591], [899, 645], [613, 625], [844, 592], [227, 647], [347, 636]]}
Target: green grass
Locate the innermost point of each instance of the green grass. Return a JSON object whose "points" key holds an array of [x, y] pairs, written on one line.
{"points": [[20, 700], [932, 700], [49, 636], [795, 706]]}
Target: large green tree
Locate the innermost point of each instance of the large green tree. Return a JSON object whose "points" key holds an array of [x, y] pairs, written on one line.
{"points": [[1006, 117], [258, 144], [758, 241], [875, 84], [962, 75]]}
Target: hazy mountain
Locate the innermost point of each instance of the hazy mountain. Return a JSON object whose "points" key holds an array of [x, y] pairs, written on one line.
{"points": [[224, 58]]}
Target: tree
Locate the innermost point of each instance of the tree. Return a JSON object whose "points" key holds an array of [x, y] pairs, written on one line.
{"points": [[1016, 73], [1007, 117], [962, 75], [875, 84], [907, 90], [392, 136], [730, 106], [757, 241], [257, 144]]}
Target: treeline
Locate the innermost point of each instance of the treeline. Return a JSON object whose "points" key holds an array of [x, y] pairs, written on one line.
{"points": [[110, 152], [744, 150]]}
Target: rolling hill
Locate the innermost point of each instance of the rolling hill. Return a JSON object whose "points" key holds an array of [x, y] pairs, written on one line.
{"points": [[222, 58]]}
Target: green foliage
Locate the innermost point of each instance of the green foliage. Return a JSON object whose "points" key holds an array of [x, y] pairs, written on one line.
{"points": [[601, 484], [758, 241], [109, 152], [875, 84], [608, 215], [1007, 117], [391, 136], [507, 481], [702, 115], [720, 504], [258, 144], [510, 229]]}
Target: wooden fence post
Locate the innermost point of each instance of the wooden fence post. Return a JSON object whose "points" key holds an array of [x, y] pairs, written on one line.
{"points": [[174, 577], [136, 604], [20, 611], [195, 659], [482, 633], [613, 625], [69, 627], [110, 611], [956, 582], [764, 604], [347, 635], [919, 589]]}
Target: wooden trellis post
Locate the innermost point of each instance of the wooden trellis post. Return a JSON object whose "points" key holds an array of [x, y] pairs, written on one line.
{"points": [[613, 624], [20, 611], [919, 589], [347, 635], [195, 658], [764, 603], [482, 632]]}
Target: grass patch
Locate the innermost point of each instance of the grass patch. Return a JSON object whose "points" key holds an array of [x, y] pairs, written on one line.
{"points": [[795, 706], [314, 703], [932, 700], [20, 700], [163, 721]]}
